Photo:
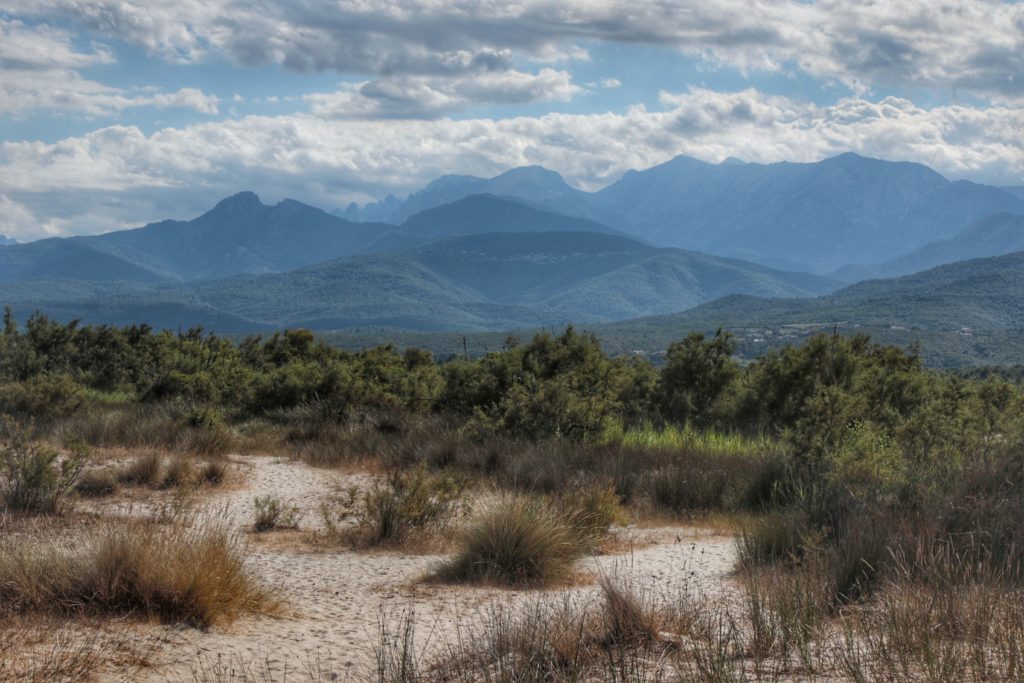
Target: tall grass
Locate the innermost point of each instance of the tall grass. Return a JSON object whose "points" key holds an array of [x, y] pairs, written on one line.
{"points": [[163, 426], [170, 571]]}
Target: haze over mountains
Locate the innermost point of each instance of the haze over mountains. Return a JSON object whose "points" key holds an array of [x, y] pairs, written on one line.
{"points": [[525, 249], [816, 216], [998, 234], [483, 281]]}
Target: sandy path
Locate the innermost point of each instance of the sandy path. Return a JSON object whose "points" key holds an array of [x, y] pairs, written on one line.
{"points": [[336, 598]]}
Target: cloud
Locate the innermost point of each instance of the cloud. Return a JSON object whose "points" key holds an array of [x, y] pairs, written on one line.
{"points": [[125, 177], [17, 221], [427, 97], [38, 71], [972, 45]]}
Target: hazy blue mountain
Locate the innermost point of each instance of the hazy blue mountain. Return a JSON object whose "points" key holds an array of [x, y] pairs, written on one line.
{"points": [[534, 184], [241, 235], [998, 234], [484, 213], [797, 216], [484, 281], [820, 215], [69, 259], [1017, 192], [5, 240]]}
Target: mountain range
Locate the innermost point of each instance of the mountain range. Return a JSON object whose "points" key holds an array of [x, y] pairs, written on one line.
{"points": [[525, 249], [243, 235], [798, 216]]}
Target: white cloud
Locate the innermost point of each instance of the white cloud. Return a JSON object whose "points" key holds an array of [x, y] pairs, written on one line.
{"points": [[17, 221], [126, 177], [973, 45], [426, 97], [38, 71]]}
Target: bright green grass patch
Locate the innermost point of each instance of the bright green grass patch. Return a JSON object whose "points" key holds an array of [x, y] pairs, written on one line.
{"points": [[109, 397], [672, 437]]}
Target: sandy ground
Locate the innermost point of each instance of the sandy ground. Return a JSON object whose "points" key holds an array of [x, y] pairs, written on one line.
{"points": [[335, 600]]}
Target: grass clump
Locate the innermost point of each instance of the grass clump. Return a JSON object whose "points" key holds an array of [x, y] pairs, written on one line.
{"points": [[213, 472], [590, 510], [517, 540], [167, 571], [273, 513], [145, 469]]}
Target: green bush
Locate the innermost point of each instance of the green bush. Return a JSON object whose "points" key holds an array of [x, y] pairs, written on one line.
{"points": [[41, 397]]}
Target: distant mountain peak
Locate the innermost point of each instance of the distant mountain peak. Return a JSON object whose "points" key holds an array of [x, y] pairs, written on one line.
{"points": [[7, 241], [532, 173], [242, 202], [684, 160], [732, 161]]}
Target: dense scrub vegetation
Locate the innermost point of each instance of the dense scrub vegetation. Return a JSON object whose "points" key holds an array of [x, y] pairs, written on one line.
{"points": [[872, 481]]}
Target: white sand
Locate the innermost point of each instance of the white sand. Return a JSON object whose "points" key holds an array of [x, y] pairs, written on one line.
{"points": [[335, 599]]}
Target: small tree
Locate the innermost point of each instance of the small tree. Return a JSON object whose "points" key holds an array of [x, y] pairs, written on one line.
{"points": [[696, 376]]}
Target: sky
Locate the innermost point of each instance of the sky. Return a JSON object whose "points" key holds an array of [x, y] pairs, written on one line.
{"points": [[117, 113]]}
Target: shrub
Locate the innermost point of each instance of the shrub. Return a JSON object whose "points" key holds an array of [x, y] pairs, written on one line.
{"points": [[168, 571], [408, 501], [272, 513], [41, 397], [35, 478], [517, 540]]}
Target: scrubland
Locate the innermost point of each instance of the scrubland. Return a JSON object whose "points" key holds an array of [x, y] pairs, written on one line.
{"points": [[182, 507]]}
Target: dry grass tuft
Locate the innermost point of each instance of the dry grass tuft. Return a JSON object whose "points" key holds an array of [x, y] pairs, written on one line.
{"points": [[168, 571], [146, 469], [517, 540]]}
